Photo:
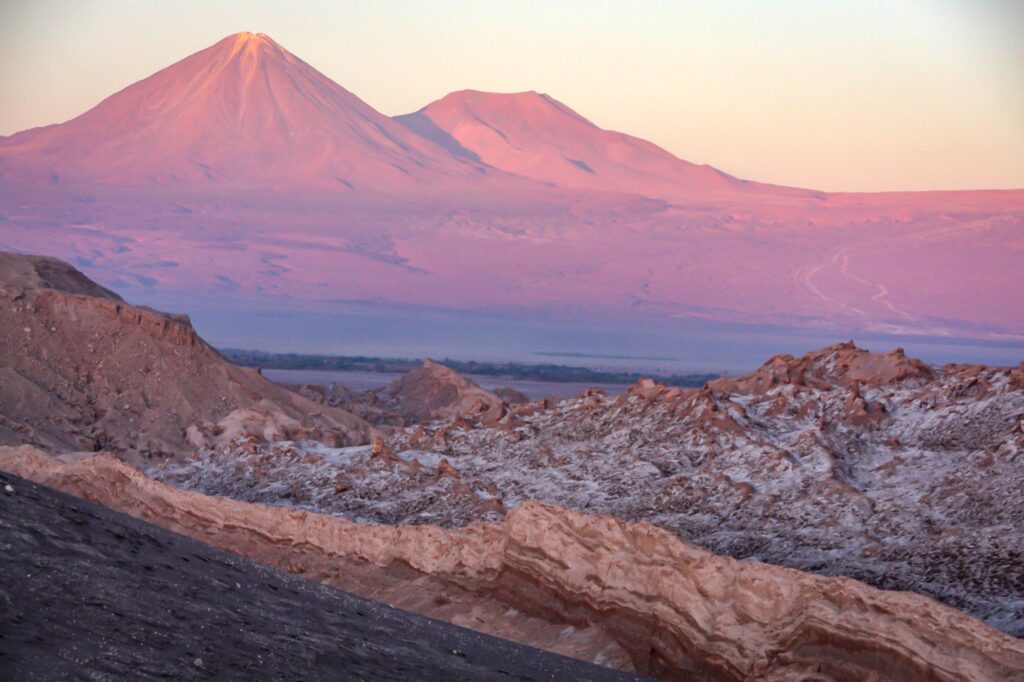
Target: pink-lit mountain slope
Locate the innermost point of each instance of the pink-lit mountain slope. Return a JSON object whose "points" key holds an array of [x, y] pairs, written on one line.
{"points": [[242, 172], [244, 111], [536, 136]]}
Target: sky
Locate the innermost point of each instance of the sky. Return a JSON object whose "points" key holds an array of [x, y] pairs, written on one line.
{"points": [[855, 95]]}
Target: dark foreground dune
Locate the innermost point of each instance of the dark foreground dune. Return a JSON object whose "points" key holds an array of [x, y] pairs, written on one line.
{"points": [[89, 593]]}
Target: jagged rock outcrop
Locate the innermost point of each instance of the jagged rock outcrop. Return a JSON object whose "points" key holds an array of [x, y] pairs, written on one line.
{"points": [[841, 364], [841, 462], [633, 589], [83, 370]]}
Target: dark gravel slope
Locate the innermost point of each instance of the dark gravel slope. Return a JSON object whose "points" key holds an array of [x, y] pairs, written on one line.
{"points": [[89, 593]]}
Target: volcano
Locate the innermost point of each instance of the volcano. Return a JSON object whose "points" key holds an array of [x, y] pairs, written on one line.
{"points": [[244, 111], [243, 173], [536, 136]]}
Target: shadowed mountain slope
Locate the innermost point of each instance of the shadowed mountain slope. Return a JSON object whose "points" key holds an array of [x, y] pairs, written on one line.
{"points": [[83, 370]]}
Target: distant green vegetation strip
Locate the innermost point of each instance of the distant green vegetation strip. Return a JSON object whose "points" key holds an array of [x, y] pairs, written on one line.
{"points": [[511, 370]]}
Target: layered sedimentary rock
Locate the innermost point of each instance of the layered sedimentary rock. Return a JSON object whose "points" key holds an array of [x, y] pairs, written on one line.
{"points": [[628, 594], [88, 593], [841, 462], [83, 370]]}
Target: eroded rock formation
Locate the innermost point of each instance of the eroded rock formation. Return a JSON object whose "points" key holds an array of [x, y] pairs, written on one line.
{"points": [[634, 595], [840, 462], [80, 369]]}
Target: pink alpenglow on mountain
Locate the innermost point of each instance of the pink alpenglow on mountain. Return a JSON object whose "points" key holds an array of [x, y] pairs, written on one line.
{"points": [[244, 111], [536, 136], [241, 176]]}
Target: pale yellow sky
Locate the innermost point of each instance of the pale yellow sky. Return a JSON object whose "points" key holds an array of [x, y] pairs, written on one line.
{"points": [[843, 95]]}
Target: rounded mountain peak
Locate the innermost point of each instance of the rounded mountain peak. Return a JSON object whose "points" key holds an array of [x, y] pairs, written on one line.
{"points": [[529, 105]]}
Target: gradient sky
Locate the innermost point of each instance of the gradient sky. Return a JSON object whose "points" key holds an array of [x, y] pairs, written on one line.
{"points": [[838, 95]]}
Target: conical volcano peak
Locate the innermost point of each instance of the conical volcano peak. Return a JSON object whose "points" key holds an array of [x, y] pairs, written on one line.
{"points": [[248, 44], [483, 96], [247, 39], [250, 36], [244, 111]]}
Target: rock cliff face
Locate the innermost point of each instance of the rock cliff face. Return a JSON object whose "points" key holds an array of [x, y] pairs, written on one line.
{"points": [[840, 462], [83, 370], [630, 595]]}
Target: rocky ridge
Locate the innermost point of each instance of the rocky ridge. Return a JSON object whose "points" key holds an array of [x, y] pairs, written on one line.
{"points": [[674, 609]]}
